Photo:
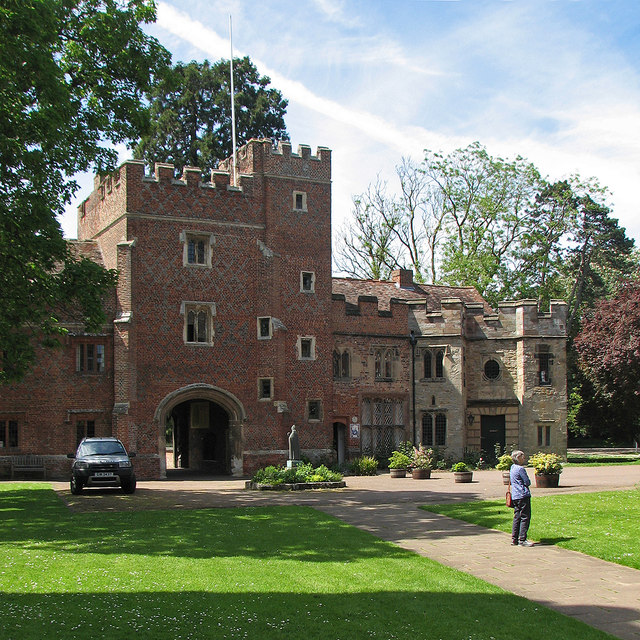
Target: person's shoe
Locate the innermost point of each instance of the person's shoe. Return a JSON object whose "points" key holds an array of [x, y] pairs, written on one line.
{"points": [[525, 543], [514, 543]]}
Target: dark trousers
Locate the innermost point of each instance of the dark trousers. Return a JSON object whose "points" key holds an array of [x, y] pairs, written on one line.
{"points": [[521, 519]]}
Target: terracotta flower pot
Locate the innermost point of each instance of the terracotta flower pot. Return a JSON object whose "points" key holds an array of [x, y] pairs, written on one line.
{"points": [[420, 474], [398, 473], [547, 480], [463, 476]]}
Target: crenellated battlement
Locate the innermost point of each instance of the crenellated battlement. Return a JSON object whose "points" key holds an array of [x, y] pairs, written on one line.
{"points": [[368, 316], [261, 157]]}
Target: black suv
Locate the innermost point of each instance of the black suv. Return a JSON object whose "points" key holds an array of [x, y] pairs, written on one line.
{"points": [[102, 462]]}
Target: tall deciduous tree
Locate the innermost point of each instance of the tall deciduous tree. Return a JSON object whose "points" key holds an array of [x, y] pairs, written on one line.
{"points": [[470, 219], [72, 76], [608, 348], [191, 113]]}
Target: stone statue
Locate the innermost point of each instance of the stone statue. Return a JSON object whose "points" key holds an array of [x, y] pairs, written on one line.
{"points": [[294, 444]]}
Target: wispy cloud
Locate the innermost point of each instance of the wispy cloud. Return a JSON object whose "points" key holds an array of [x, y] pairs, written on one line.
{"points": [[210, 43]]}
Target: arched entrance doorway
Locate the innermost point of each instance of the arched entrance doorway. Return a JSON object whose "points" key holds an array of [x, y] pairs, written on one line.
{"points": [[200, 429], [197, 436]]}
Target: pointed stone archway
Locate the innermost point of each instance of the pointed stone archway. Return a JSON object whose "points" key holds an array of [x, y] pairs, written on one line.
{"points": [[224, 404]]}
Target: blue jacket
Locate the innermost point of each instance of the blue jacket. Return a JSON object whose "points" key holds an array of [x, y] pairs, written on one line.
{"points": [[519, 482]]}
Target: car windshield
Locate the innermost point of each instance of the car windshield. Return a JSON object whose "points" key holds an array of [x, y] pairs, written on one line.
{"points": [[106, 448]]}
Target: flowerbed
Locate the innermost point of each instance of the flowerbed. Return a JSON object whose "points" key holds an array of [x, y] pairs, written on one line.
{"points": [[302, 476]]}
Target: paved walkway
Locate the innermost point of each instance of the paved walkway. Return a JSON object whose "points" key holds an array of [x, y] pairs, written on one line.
{"points": [[602, 594]]}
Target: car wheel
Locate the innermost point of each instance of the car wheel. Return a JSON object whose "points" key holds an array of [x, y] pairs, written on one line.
{"points": [[129, 486], [76, 486]]}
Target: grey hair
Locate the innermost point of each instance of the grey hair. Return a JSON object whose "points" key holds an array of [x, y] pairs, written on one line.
{"points": [[516, 454]]}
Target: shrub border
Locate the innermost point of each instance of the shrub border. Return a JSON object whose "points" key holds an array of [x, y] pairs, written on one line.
{"points": [[297, 486]]}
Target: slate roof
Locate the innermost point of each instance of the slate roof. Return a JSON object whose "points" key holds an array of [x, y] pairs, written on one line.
{"points": [[384, 290]]}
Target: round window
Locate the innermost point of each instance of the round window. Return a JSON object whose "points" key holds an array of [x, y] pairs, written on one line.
{"points": [[492, 369]]}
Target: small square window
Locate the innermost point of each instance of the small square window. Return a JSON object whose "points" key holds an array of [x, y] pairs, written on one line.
{"points": [[265, 388], [264, 328], [299, 200], [314, 410], [307, 281], [306, 349]]}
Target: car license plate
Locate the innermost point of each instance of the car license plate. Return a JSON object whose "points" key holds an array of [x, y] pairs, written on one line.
{"points": [[102, 474]]}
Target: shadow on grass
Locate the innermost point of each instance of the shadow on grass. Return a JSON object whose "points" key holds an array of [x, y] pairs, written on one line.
{"points": [[318, 615], [489, 514], [35, 517], [554, 540]]}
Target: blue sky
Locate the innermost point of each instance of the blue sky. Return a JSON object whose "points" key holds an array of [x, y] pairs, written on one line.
{"points": [[556, 81]]}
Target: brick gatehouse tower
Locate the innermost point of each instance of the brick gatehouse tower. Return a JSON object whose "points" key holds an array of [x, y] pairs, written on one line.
{"points": [[226, 328]]}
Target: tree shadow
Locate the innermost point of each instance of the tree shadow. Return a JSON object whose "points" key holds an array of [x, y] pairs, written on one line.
{"points": [[38, 518], [401, 614]]}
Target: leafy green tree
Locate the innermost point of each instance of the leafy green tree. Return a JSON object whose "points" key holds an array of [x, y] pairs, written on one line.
{"points": [[191, 113], [470, 219], [366, 242], [72, 77], [600, 255], [487, 203]]}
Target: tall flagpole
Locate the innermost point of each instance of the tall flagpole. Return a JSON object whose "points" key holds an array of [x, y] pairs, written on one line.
{"points": [[233, 108]]}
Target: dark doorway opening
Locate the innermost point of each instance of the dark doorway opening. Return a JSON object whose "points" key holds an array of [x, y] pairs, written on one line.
{"points": [[339, 441], [492, 433], [198, 438]]}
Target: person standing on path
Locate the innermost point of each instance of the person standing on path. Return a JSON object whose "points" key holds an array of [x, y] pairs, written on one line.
{"points": [[521, 497]]}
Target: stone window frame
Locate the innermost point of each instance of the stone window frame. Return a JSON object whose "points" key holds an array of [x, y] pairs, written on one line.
{"points": [[544, 435], [341, 359], [262, 323], [314, 410], [383, 421], [299, 201], [208, 240], [261, 388], [90, 356], [198, 307], [436, 429], [311, 275], [544, 358], [304, 341], [433, 363], [384, 363], [490, 376]]}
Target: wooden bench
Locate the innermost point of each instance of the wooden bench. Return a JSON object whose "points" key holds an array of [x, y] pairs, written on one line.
{"points": [[28, 464]]}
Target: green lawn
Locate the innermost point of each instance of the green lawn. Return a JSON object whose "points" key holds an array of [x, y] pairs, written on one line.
{"points": [[603, 525], [254, 573]]}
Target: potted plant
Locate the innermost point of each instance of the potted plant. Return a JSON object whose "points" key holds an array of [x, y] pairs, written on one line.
{"points": [[548, 467], [504, 464], [398, 464], [421, 463], [461, 472]]}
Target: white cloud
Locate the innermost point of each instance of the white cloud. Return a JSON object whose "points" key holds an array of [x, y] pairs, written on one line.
{"points": [[521, 78]]}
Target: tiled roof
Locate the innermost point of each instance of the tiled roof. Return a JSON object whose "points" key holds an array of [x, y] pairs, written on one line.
{"points": [[86, 249], [384, 290]]}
